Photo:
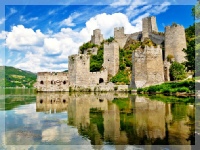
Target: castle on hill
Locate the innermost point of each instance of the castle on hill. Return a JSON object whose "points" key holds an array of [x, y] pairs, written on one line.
{"points": [[149, 64]]}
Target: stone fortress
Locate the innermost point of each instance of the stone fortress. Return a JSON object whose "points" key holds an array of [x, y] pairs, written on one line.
{"points": [[149, 64]]}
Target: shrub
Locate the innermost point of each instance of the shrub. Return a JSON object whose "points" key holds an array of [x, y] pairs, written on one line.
{"points": [[183, 89], [139, 90], [177, 71]]}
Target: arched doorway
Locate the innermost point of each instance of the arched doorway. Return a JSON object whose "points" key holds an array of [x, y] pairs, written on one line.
{"points": [[101, 80]]}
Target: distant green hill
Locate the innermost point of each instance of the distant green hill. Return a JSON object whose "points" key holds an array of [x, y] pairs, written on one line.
{"points": [[13, 77]]}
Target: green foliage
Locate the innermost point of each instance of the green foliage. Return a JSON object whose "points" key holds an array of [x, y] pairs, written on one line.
{"points": [[85, 46], [121, 78], [190, 55], [187, 86], [177, 71], [16, 77], [96, 61], [122, 66], [109, 40]]}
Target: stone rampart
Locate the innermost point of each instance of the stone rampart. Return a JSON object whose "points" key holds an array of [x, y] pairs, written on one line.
{"points": [[156, 38], [98, 77]]}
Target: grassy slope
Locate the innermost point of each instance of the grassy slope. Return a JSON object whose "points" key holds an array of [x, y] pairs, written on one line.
{"points": [[13, 77]]}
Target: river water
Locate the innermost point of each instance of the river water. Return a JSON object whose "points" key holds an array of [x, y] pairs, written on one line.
{"points": [[94, 121]]}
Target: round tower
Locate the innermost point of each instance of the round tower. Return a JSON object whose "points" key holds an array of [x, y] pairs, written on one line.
{"points": [[175, 41]]}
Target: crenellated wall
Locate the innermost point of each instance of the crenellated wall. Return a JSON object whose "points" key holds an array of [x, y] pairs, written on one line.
{"points": [[111, 58], [175, 41]]}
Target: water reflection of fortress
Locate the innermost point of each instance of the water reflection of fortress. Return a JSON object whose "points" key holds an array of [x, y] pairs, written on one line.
{"points": [[101, 119]]}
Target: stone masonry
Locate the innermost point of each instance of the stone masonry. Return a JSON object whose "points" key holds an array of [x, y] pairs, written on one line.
{"points": [[97, 37], [111, 58], [175, 41], [148, 67], [79, 71], [52, 81]]}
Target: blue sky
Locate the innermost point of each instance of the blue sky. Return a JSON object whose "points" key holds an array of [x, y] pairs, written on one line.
{"points": [[41, 37]]}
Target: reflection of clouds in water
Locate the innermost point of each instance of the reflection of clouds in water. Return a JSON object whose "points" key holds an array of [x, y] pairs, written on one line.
{"points": [[27, 109], [49, 134], [31, 127]]}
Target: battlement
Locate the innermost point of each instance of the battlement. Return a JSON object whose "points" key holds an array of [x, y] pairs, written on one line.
{"points": [[100, 72], [78, 57], [174, 26], [149, 25], [96, 32], [121, 29], [52, 73]]}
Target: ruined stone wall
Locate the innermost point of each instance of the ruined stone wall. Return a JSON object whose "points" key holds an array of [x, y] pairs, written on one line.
{"points": [[139, 69], [111, 58], [97, 37], [147, 67], [79, 66], [98, 77], [158, 39], [155, 72], [52, 81], [149, 25], [175, 41], [136, 36], [120, 37], [92, 51]]}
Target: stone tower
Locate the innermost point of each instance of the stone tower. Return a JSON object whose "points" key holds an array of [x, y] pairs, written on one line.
{"points": [[147, 67], [79, 67], [175, 41], [120, 37], [97, 37], [149, 25], [111, 57]]}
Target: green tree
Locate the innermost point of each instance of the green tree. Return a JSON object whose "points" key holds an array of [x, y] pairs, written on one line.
{"points": [[190, 55], [177, 71]]}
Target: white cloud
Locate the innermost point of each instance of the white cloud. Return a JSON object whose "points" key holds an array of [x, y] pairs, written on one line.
{"points": [[21, 38], [12, 10], [120, 2], [69, 20], [52, 46], [2, 20], [160, 8], [22, 19], [107, 23], [3, 35]]}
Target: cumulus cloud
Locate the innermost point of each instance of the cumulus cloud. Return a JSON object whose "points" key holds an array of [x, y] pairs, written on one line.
{"points": [[3, 35], [21, 38], [107, 23], [69, 20]]}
